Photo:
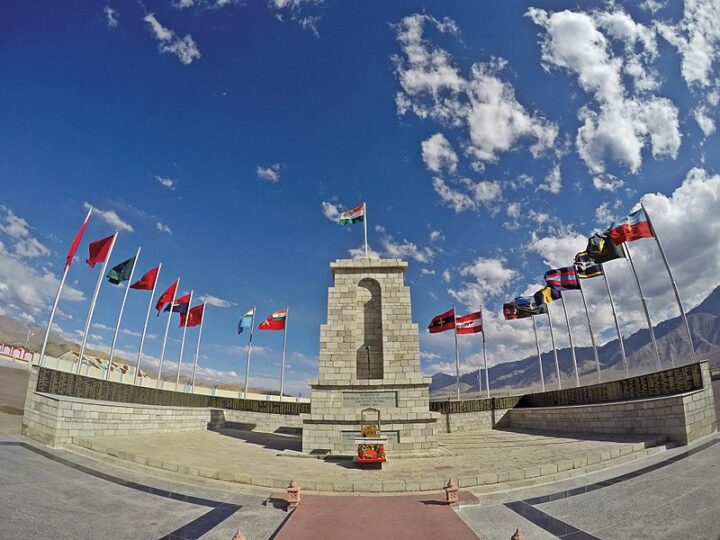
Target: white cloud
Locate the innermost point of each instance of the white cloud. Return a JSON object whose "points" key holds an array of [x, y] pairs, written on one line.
{"points": [[513, 210], [304, 12], [111, 16], [167, 182], [483, 192], [359, 253], [110, 217], [405, 249], [426, 272], [553, 181], [471, 196], [704, 119], [491, 276], [184, 48], [163, 228], [18, 231], [623, 123], [215, 301], [607, 182], [331, 211], [436, 236], [603, 215], [455, 199], [438, 154], [270, 173], [558, 249], [483, 104], [446, 275]]}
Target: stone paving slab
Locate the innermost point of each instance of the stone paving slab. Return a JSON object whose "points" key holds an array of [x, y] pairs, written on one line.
{"points": [[489, 460]]}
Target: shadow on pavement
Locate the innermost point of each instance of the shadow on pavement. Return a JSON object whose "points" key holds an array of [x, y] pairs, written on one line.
{"points": [[272, 441]]}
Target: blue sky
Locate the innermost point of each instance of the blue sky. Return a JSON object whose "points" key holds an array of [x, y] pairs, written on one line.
{"points": [[487, 139]]}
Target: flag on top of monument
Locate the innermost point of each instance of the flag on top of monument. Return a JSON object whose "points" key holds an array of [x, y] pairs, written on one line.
{"points": [[442, 322], [192, 317], [585, 267], [147, 282], [180, 305], [276, 321], [167, 296], [562, 278], [354, 215], [76, 241], [546, 295], [469, 324], [121, 272], [246, 320], [602, 250], [99, 250], [632, 227], [511, 312], [528, 306]]}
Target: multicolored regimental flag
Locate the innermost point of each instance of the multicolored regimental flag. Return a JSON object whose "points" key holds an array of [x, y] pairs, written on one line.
{"points": [[632, 227], [585, 267], [562, 278], [442, 322], [276, 321], [167, 296], [546, 295], [510, 312], [181, 305], [602, 250], [528, 306], [354, 215], [121, 272], [469, 324], [246, 320]]}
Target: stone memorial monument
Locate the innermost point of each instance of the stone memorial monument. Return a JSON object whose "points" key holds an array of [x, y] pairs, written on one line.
{"points": [[369, 357]]}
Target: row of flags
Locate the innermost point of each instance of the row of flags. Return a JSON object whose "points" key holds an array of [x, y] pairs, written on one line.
{"points": [[100, 251]]}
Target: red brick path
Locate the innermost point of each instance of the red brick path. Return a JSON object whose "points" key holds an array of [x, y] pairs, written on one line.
{"points": [[399, 517]]}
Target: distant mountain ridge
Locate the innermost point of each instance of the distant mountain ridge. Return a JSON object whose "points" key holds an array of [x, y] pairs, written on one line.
{"points": [[671, 336]]}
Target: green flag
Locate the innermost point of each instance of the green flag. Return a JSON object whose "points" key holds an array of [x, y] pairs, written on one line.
{"points": [[121, 272]]}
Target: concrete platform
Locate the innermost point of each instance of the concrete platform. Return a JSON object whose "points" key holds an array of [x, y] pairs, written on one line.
{"points": [[488, 461]]}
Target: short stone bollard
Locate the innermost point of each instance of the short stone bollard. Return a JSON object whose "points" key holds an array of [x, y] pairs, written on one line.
{"points": [[293, 494], [518, 535], [239, 535], [451, 493]]}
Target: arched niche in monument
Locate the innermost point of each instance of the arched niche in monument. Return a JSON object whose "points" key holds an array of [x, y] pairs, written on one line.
{"points": [[369, 352]]}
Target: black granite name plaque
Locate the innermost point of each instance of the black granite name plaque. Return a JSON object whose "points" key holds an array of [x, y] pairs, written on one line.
{"points": [[68, 384]]}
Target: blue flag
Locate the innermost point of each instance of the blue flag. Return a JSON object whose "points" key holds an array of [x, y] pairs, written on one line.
{"points": [[246, 320]]}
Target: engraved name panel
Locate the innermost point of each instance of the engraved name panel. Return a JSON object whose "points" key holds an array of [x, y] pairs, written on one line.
{"points": [[370, 399]]}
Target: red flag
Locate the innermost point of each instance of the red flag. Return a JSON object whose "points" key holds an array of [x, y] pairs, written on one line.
{"points": [[276, 321], [76, 241], [147, 282], [167, 296], [180, 305], [630, 228], [442, 322], [469, 324], [193, 316], [99, 250]]}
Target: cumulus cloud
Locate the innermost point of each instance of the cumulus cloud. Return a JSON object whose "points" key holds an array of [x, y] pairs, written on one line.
{"points": [[271, 173], [624, 120], [163, 228], [111, 16], [437, 154], [704, 119], [110, 217], [489, 276], [603, 215], [468, 195], [607, 182], [215, 301], [482, 103], [557, 249], [453, 198], [553, 181], [331, 211], [18, 231], [306, 13], [184, 48], [166, 182], [436, 236]]}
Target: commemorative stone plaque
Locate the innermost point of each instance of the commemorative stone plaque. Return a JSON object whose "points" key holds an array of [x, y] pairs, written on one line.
{"points": [[370, 399]]}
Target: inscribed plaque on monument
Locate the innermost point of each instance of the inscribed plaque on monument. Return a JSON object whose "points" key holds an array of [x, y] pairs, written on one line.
{"points": [[369, 399]]}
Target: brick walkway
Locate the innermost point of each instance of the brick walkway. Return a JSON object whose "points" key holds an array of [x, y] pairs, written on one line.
{"points": [[488, 460]]}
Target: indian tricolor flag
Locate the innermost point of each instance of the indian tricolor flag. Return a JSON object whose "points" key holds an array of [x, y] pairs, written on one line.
{"points": [[276, 321], [354, 215]]}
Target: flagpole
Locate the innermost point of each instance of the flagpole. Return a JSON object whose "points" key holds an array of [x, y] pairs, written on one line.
{"points": [[249, 351], [592, 336], [537, 346], [101, 277], [552, 339], [479, 379], [644, 304], [487, 376], [147, 318], [365, 227], [617, 324], [197, 349], [672, 280], [122, 308], [182, 343], [457, 357], [41, 361], [572, 346], [167, 328], [282, 366]]}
